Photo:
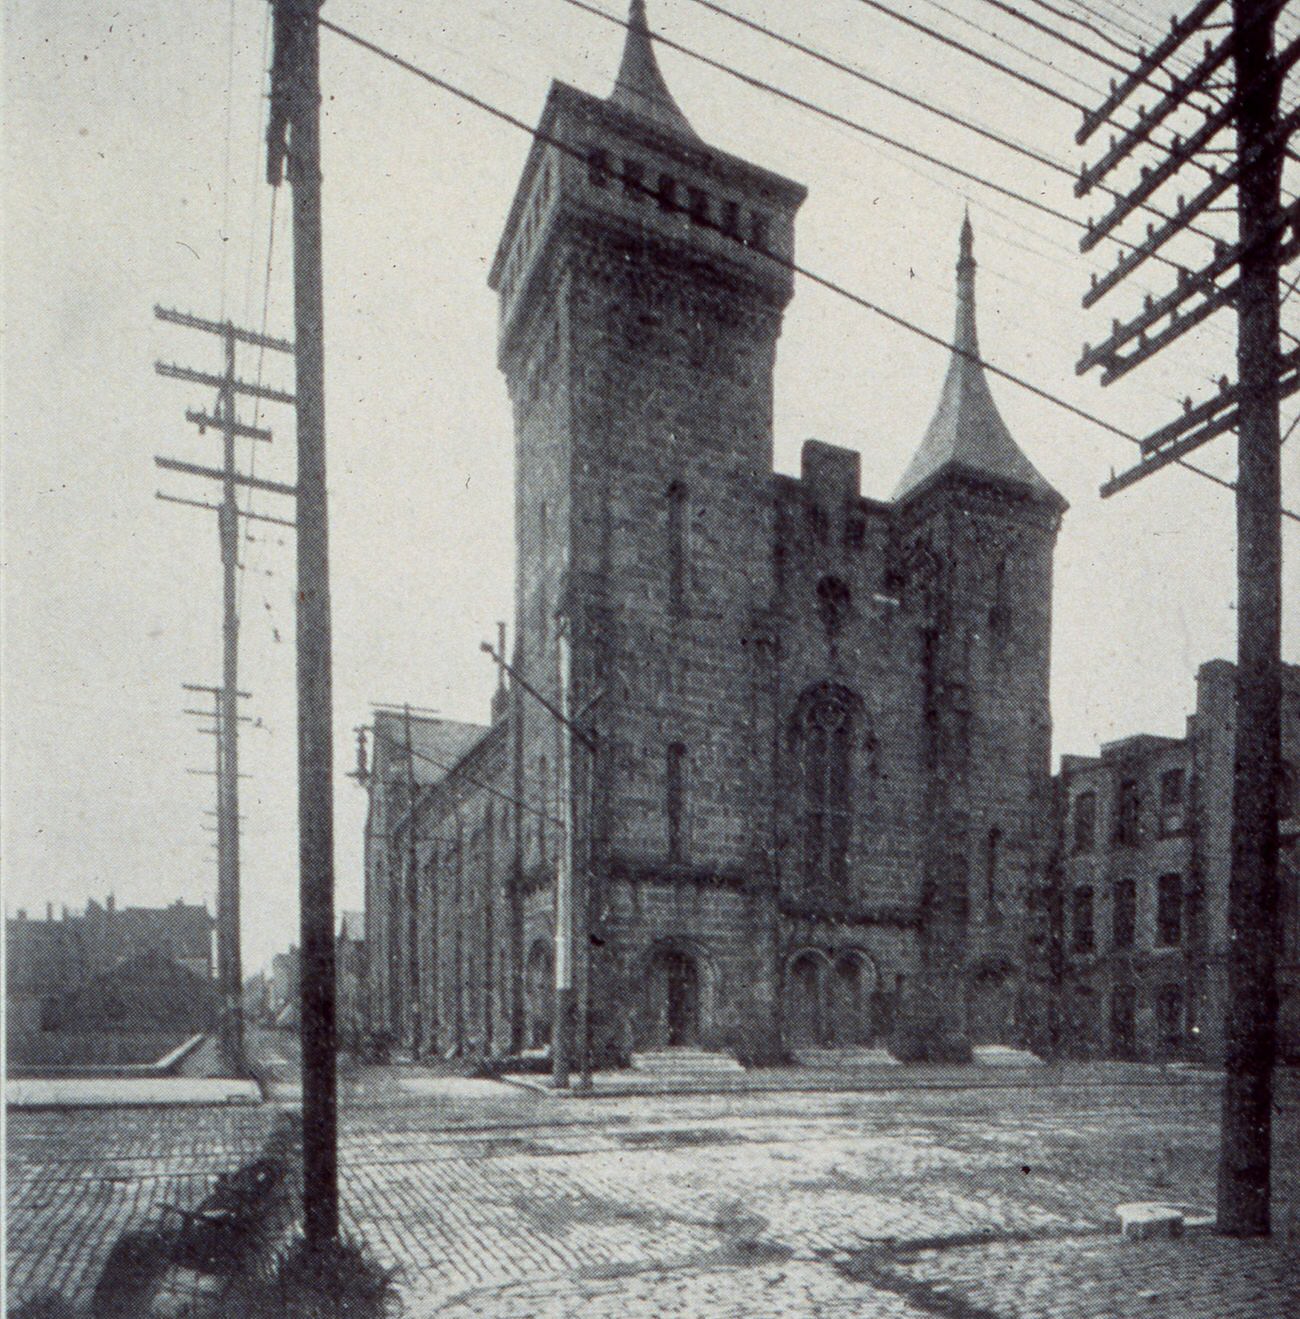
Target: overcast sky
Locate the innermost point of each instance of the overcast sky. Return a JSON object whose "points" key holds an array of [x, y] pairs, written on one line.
{"points": [[135, 175]]}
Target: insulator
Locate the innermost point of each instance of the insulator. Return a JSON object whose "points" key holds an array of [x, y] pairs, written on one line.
{"points": [[1148, 302], [1187, 403]]}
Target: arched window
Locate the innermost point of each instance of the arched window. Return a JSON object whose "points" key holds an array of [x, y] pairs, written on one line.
{"points": [[824, 731]]}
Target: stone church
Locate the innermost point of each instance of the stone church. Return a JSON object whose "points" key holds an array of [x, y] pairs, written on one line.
{"points": [[809, 792]]}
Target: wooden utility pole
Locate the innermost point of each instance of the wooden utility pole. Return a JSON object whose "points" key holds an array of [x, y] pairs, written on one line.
{"points": [[1268, 237], [562, 1034], [293, 142], [1250, 1043], [226, 698]]}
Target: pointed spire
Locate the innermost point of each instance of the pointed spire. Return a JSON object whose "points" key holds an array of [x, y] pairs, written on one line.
{"points": [[967, 431], [640, 86]]}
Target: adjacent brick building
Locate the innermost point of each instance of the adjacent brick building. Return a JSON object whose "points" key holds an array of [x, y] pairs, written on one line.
{"points": [[818, 811], [1145, 859]]}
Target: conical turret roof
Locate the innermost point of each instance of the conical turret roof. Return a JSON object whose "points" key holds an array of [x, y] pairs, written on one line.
{"points": [[640, 87], [967, 431]]}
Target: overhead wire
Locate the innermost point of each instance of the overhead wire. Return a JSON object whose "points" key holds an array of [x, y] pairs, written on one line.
{"points": [[785, 263]]}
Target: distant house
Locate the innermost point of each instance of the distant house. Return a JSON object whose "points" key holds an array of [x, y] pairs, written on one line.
{"points": [[46, 961], [147, 992], [284, 984], [1144, 860]]}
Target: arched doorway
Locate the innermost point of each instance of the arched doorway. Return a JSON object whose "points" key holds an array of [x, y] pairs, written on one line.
{"points": [[805, 1018], [851, 1016], [539, 993], [673, 998], [991, 1007]]}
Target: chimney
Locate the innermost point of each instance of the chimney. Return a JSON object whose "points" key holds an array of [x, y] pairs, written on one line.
{"points": [[110, 904], [49, 911]]}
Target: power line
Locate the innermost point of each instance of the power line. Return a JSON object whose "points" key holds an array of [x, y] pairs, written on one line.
{"points": [[408, 749], [952, 117], [785, 263]]}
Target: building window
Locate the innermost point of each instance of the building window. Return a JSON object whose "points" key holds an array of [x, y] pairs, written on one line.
{"points": [[597, 167], [698, 205], [1169, 1016], [1127, 807], [730, 224], [677, 547], [826, 732], [758, 224], [667, 193], [1085, 821], [634, 179], [1124, 914], [1169, 911], [675, 794], [544, 792], [1172, 804], [1082, 940], [834, 600]]}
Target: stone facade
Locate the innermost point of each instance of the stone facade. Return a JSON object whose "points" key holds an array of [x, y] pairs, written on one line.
{"points": [[815, 806], [1145, 858]]}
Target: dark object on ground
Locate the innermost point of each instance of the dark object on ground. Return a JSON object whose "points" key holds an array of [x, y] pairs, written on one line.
{"points": [[339, 1281], [225, 1229]]}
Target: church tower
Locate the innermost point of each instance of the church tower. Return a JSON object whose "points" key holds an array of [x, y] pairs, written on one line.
{"points": [[978, 527], [642, 277]]}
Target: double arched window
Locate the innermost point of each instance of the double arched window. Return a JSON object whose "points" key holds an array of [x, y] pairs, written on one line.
{"points": [[825, 725]]}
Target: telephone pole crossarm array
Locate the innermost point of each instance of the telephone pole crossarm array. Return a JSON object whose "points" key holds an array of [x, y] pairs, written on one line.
{"points": [[1268, 238]]}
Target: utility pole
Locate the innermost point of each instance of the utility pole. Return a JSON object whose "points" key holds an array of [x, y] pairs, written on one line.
{"points": [[224, 418], [1268, 237], [293, 146], [412, 887]]}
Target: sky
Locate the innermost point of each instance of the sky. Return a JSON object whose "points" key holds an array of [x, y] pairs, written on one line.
{"points": [[134, 175]]}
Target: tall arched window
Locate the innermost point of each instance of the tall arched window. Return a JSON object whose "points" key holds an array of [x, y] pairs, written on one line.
{"points": [[824, 731]]}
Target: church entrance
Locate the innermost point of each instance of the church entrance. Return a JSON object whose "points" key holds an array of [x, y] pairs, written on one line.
{"points": [[673, 989], [852, 1001], [991, 1008], [805, 1024]]}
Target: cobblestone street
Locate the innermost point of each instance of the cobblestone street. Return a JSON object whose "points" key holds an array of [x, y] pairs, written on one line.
{"points": [[496, 1201]]}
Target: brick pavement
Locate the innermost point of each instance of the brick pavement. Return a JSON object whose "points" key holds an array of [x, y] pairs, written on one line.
{"points": [[496, 1202]]}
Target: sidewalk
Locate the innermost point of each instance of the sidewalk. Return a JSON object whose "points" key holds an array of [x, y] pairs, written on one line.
{"points": [[855, 1077], [117, 1091]]}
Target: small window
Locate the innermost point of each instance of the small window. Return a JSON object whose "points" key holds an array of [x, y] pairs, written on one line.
{"points": [[634, 179], [1169, 911], [1127, 813], [1124, 914], [855, 533], [758, 226], [834, 601], [597, 167], [1082, 933], [667, 193], [730, 223], [544, 794], [698, 205], [1172, 804], [1085, 821], [675, 801]]}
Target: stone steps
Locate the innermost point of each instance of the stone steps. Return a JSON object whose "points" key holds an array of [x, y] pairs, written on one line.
{"points": [[685, 1064], [850, 1056], [1003, 1055]]}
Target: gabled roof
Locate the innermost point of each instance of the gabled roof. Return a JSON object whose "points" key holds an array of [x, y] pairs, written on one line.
{"points": [[967, 433], [640, 87]]}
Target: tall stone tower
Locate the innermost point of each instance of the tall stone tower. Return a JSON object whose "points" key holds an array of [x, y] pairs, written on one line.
{"points": [[639, 314], [977, 525]]}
